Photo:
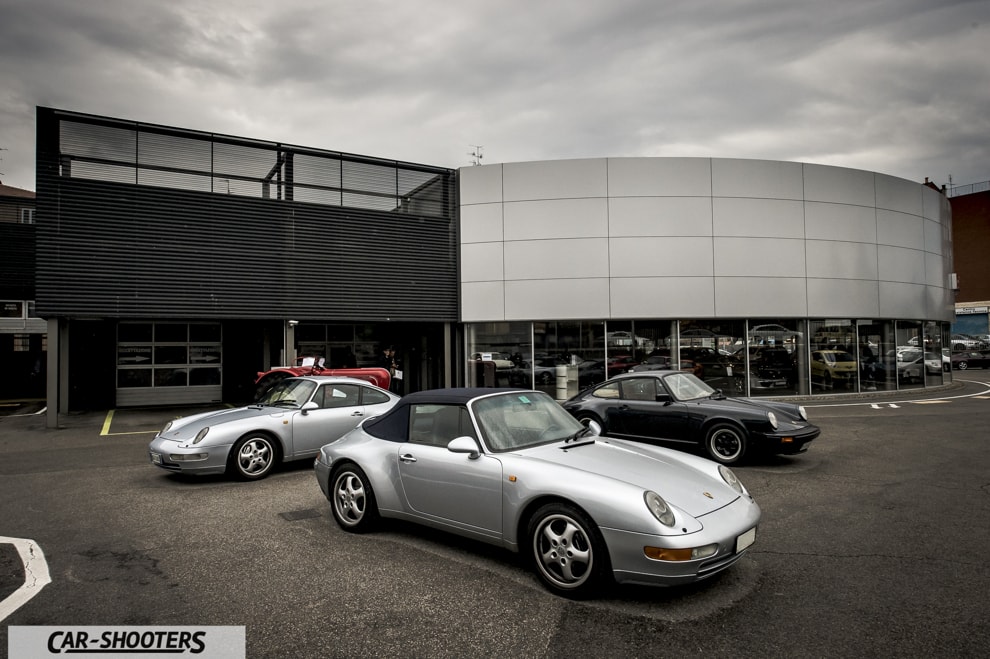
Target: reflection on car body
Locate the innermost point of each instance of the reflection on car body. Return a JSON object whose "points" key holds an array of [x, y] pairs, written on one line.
{"points": [[673, 407], [512, 468]]}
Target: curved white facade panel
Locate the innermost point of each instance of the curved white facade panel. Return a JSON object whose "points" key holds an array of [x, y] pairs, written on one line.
{"points": [[618, 238]]}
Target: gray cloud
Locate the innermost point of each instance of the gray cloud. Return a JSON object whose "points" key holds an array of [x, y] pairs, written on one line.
{"points": [[895, 86]]}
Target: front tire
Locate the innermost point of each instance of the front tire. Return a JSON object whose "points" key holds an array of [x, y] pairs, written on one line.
{"points": [[252, 457], [568, 551], [725, 444], [963, 366], [352, 500]]}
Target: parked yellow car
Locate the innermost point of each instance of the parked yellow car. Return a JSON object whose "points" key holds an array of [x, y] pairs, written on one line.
{"points": [[833, 367]]}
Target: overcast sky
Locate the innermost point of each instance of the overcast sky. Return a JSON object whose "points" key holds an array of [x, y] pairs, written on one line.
{"points": [[900, 87]]}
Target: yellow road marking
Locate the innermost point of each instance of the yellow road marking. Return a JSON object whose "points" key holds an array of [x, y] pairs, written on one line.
{"points": [[106, 428], [106, 423]]}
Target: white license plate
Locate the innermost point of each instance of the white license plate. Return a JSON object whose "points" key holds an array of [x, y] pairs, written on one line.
{"points": [[156, 458], [746, 539]]}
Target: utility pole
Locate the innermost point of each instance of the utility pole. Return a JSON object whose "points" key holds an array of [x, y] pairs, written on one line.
{"points": [[477, 154]]}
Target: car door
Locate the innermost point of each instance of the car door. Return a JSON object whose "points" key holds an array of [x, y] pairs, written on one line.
{"points": [[339, 410], [646, 410], [446, 487]]}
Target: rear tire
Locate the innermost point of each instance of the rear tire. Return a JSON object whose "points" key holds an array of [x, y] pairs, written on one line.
{"points": [[352, 500]]}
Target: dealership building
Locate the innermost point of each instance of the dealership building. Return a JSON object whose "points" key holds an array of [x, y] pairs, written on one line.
{"points": [[174, 265]]}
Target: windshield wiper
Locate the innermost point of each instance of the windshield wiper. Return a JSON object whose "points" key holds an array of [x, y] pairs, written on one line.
{"points": [[580, 433]]}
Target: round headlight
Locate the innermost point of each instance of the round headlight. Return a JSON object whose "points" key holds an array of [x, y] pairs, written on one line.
{"points": [[659, 508], [803, 412], [731, 479], [772, 418], [167, 426], [201, 434]]}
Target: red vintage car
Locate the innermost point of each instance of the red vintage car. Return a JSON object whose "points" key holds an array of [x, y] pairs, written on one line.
{"points": [[314, 366]]}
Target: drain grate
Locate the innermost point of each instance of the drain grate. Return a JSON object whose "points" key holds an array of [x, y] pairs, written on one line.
{"points": [[294, 515]]}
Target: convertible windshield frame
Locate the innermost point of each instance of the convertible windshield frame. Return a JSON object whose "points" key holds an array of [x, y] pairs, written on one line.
{"points": [[521, 420]]}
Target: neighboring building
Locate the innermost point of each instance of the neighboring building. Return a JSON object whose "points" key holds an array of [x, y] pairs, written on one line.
{"points": [[22, 334], [172, 265], [971, 240]]}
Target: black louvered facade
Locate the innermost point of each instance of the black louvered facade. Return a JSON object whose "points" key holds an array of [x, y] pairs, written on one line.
{"points": [[180, 232], [270, 246]]}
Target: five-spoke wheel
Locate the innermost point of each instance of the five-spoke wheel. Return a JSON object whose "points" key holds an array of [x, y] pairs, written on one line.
{"points": [[352, 500], [567, 550], [252, 457]]}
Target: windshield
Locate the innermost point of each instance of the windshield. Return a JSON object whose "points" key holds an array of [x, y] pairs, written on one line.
{"points": [[523, 419], [686, 386], [288, 393]]}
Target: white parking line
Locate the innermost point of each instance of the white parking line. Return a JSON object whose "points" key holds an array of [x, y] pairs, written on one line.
{"points": [[36, 575], [895, 403]]}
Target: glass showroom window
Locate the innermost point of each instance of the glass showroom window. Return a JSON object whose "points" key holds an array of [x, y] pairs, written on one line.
{"points": [[168, 354], [877, 355], [774, 359], [629, 343], [909, 354], [707, 348], [833, 366], [578, 345], [500, 355], [938, 362]]}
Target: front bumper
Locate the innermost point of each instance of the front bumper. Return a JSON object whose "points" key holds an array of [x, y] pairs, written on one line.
{"points": [[789, 442], [175, 456], [725, 527]]}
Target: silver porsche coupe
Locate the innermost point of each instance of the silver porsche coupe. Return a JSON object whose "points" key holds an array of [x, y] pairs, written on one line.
{"points": [[513, 468], [291, 421]]}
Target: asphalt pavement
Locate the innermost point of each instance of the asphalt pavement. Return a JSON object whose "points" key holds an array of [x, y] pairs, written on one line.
{"points": [[872, 544]]}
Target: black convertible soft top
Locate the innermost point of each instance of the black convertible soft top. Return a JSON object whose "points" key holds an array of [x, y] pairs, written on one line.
{"points": [[394, 424]]}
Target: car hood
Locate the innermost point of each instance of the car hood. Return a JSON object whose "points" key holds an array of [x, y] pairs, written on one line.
{"points": [[188, 426], [784, 411], [666, 472]]}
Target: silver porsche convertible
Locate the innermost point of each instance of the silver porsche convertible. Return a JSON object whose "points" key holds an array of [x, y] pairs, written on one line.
{"points": [[512, 468], [291, 421]]}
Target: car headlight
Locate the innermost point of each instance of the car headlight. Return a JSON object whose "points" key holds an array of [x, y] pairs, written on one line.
{"points": [[731, 479], [772, 418], [201, 434], [803, 412], [165, 429], [659, 508]]}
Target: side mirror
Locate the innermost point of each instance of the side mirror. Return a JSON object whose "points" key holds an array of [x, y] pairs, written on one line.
{"points": [[593, 425], [466, 445], [663, 398], [311, 405]]}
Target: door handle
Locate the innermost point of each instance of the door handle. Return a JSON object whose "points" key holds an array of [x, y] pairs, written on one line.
{"points": [[408, 457], [357, 413]]}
